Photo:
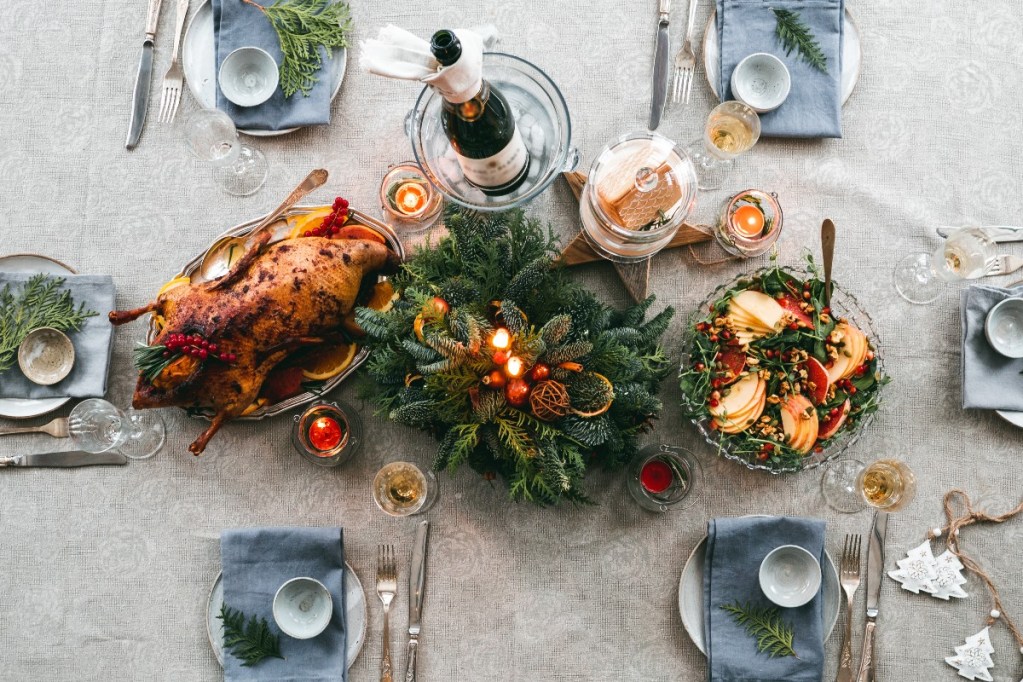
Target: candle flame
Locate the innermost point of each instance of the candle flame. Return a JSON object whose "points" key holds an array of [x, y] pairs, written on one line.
{"points": [[514, 366], [501, 339]]}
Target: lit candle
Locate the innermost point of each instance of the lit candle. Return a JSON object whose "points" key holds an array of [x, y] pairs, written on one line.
{"points": [[501, 339], [514, 366], [325, 434], [748, 220], [410, 198]]}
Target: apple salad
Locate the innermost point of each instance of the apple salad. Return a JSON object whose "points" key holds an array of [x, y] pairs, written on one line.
{"points": [[775, 373]]}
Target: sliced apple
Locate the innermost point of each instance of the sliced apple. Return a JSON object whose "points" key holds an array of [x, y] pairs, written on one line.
{"points": [[739, 397], [799, 423], [733, 361], [817, 381], [790, 304], [761, 307], [739, 424], [852, 355], [740, 316], [830, 426]]}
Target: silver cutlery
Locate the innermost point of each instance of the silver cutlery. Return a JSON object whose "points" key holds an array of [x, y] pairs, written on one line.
{"points": [[660, 88], [387, 588], [998, 233], [56, 428], [172, 81], [875, 571], [71, 458], [416, 592], [850, 577], [828, 248], [140, 95], [1003, 265], [685, 62]]}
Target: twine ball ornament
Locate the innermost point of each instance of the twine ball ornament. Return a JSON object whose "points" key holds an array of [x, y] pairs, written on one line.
{"points": [[549, 400]]}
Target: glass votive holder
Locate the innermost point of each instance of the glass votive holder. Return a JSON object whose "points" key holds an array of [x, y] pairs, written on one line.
{"points": [[663, 477], [407, 199], [327, 434], [750, 223]]}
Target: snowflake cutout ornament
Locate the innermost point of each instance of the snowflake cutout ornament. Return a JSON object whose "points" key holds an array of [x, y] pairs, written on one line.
{"points": [[973, 659], [918, 570], [949, 577]]}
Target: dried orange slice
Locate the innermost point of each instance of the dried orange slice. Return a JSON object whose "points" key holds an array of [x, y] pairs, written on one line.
{"points": [[383, 297], [600, 409], [325, 362], [307, 221], [360, 232], [173, 284]]}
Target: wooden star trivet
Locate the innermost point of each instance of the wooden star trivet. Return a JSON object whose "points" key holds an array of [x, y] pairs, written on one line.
{"points": [[635, 276]]}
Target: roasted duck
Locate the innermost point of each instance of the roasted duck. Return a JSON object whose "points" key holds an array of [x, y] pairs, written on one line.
{"points": [[274, 300]]}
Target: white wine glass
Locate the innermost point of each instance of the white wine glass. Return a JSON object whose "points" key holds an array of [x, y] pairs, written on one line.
{"points": [[211, 136], [403, 489], [96, 425], [964, 255], [850, 485], [732, 129]]}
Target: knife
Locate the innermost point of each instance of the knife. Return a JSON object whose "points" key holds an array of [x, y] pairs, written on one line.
{"points": [[660, 66], [70, 458], [875, 571], [828, 247], [416, 592], [999, 233], [140, 95]]}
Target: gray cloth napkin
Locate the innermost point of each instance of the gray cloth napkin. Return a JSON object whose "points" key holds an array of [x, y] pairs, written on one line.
{"points": [[814, 105], [88, 377], [256, 562], [238, 24], [990, 381], [735, 548]]}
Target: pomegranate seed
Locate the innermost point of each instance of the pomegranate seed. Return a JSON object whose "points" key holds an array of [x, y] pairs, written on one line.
{"points": [[762, 456], [699, 366], [793, 326], [852, 390], [713, 337], [713, 402]]}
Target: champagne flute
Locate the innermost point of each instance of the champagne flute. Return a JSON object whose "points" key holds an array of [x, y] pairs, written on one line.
{"points": [[238, 169], [964, 255], [96, 425], [887, 485], [732, 128], [403, 489]]}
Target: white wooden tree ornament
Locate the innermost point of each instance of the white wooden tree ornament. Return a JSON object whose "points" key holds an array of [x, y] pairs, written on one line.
{"points": [[973, 659]]}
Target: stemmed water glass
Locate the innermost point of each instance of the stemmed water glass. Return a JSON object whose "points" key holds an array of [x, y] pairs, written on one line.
{"points": [[237, 168], [95, 425], [849, 485], [964, 255], [732, 128]]}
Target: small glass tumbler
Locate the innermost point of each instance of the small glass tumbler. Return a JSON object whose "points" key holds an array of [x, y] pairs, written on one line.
{"points": [[750, 223], [327, 434], [403, 489], [408, 201], [664, 477]]}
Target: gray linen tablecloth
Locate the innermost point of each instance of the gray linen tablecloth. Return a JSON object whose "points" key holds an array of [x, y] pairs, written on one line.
{"points": [[104, 572]]}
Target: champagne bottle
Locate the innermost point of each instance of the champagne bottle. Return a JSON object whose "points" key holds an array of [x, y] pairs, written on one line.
{"points": [[482, 130]]}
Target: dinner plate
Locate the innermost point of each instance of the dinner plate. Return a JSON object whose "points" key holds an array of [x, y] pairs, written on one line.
{"points": [[355, 615], [690, 595], [24, 408], [852, 54], [199, 61], [1014, 418]]}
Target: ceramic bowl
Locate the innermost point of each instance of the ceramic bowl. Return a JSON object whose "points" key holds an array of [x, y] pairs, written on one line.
{"points": [[790, 576], [1004, 327], [46, 356], [248, 76], [761, 81], [303, 607]]}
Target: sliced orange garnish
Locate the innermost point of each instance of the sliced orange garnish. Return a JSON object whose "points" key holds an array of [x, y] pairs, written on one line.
{"points": [[383, 297], [324, 362], [307, 221], [360, 232], [173, 284]]}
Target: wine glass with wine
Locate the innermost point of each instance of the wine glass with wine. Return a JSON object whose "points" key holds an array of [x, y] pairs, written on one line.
{"points": [[964, 255], [211, 136], [732, 129], [887, 485], [403, 489]]}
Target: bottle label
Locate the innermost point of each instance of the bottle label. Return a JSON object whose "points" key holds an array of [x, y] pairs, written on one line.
{"points": [[499, 169]]}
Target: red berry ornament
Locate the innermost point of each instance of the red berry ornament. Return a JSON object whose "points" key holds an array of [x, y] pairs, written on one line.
{"points": [[517, 392], [539, 372]]}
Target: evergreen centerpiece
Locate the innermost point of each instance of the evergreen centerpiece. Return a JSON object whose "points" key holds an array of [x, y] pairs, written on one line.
{"points": [[517, 370]]}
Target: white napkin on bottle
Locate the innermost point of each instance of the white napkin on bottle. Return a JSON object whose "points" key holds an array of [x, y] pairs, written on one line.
{"points": [[396, 53]]}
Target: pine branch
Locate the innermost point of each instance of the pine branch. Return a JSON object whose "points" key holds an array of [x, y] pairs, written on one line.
{"points": [[251, 642], [303, 26], [40, 303], [773, 636], [794, 34]]}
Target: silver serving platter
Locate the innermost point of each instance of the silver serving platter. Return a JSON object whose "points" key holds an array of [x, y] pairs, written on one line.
{"points": [[216, 267], [846, 305]]}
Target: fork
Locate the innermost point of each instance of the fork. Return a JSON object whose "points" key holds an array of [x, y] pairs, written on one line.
{"points": [[1003, 265], [850, 577], [387, 588], [171, 97], [56, 428], [685, 62]]}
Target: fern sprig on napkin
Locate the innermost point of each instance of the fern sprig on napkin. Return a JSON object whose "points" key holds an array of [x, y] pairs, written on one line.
{"points": [[773, 636], [794, 34], [251, 642]]}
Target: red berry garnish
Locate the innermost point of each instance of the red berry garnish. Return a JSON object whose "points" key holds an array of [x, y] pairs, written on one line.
{"points": [[213, 348], [713, 402], [203, 353]]}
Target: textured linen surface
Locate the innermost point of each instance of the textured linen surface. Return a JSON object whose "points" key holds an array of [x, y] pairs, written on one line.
{"points": [[104, 572], [987, 373], [256, 562], [88, 376], [813, 107], [735, 550]]}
